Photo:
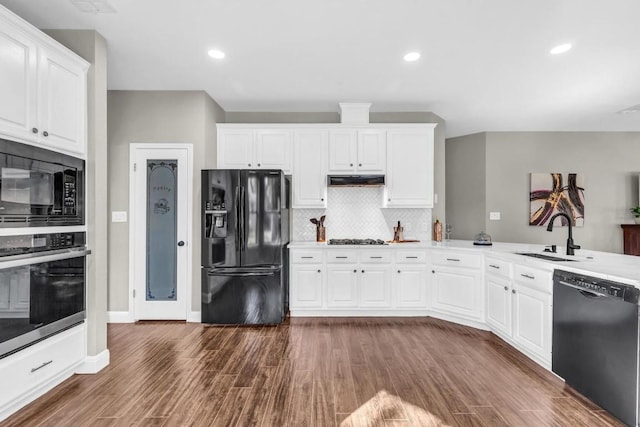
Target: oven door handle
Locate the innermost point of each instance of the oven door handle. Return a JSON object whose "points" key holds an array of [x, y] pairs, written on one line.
{"points": [[40, 257]]}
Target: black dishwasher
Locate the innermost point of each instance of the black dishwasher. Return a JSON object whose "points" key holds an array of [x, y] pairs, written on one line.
{"points": [[595, 341]]}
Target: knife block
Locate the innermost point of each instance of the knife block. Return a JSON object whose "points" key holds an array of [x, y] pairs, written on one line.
{"points": [[398, 234]]}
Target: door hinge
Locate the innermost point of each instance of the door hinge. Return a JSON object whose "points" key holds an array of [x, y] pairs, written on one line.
{"points": [[135, 167], [134, 293]]}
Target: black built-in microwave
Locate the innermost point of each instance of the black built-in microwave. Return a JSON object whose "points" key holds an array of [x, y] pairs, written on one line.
{"points": [[39, 187]]}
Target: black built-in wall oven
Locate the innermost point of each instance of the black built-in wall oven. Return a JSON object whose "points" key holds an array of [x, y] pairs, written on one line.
{"points": [[42, 287], [42, 272], [39, 187]]}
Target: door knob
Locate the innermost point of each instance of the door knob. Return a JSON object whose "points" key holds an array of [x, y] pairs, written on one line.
{"points": [[181, 243]]}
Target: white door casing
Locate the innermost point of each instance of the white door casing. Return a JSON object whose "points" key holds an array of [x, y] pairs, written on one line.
{"points": [[159, 310]]}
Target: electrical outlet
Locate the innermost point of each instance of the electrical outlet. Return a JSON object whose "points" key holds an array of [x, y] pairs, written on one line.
{"points": [[118, 216], [494, 216]]}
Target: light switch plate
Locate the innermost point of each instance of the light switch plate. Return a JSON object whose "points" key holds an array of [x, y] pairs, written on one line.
{"points": [[119, 216], [494, 216]]}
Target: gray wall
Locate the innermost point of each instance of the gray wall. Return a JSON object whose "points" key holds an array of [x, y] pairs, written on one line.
{"points": [[152, 117], [465, 177], [374, 117], [92, 47], [610, 162]]}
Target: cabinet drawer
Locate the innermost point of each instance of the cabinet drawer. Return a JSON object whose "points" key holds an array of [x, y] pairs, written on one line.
{"points": [[497, 267], [533, 278], [456, 259], [36, 364], [375, 256], [307, 257], [411, 257], [342, 256]]}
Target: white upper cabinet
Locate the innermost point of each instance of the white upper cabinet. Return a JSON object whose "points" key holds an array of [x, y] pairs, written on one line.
{"points": [[18, 79], [361, 151], [310, 169], [61, 102], [409, 178], [43, 87], [249, 148]]}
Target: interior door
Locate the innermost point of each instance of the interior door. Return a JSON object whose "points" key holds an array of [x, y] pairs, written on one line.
{"points": [[160, 229]]}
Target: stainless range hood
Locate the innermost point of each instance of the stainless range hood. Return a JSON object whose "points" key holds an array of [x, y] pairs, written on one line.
{"points": [[355, 180]]}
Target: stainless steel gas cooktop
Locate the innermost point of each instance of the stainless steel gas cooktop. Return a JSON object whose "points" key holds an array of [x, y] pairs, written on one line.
{"points": [[356, 242]]}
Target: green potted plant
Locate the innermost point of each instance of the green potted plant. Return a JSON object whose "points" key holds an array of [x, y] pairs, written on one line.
{"points": [[636, 214]]}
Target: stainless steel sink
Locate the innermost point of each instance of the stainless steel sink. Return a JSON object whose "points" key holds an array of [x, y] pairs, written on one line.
{"points": [[545, 257]]}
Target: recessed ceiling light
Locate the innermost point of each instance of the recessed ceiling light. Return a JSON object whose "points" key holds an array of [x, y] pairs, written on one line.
{"points": [[216, 54], [562, 48], [412, 56]]}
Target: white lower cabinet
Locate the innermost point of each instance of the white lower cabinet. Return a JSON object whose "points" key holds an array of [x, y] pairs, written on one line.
{"points": [[342, 286], [375, 286], [410, 286], [456, 285], [499, 306], [31, 372], [306, 285], [532, 321]]}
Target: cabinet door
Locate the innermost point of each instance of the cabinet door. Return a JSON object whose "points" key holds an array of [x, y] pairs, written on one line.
{"points": [[410, 286], [498, 304], [375, 289], [532, 320], [342, 286], [342, 151], [372, 151], [306, 286], [410, 168], [61, 102], [458, 292], [18, 77], [273, 150], [235, 149], [310, 169]]}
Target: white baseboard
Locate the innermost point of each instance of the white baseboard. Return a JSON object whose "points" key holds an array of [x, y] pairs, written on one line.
{"points": [[119, 317], [94, 364], [194, 317]]}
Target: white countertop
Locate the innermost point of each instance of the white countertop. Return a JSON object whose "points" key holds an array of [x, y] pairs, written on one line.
{"points": [[605, 265]]}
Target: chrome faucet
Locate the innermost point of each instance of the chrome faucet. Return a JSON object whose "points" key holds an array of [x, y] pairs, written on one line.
{"points": [[570, 245]]}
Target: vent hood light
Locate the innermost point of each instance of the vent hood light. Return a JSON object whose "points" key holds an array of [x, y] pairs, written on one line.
{"points": [[560, 49], [355, 180]]}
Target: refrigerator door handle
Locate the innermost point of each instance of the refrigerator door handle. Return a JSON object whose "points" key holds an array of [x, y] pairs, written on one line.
{"points": [[237, 212], [242, 219]]}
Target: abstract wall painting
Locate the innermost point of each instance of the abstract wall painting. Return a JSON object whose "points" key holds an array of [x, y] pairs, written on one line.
{"points": [[555, 192]]}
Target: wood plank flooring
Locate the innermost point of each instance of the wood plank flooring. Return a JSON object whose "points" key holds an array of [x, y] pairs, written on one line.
{"points": [[388, 372]]}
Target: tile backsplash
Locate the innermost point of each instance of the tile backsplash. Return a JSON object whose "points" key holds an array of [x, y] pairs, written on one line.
{"points": [[356, 212]]}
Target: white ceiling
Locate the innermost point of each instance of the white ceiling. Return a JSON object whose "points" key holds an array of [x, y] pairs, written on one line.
{"points": [[485, 64]]}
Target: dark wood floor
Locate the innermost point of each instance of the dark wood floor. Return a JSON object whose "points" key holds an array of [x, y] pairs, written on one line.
{"points": [[312, 372]]}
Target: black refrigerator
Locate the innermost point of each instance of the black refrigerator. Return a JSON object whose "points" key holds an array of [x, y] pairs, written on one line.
{"points": [[245, 232]]}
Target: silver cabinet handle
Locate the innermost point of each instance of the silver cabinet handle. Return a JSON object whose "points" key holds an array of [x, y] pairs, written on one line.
{"points": [[398, 271], [528, 277], [319, 271], [494, 266], [355, 271], [341, 257], [513, 291], [506, 288], [306, 257], [453, 259], [411, 257], [41, 366], [375, 257]]}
